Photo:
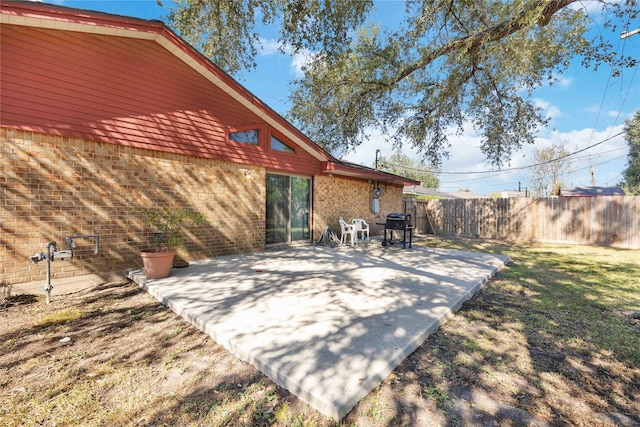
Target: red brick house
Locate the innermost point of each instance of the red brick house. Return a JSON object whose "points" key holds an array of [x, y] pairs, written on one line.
{"points": [[103, 116]]}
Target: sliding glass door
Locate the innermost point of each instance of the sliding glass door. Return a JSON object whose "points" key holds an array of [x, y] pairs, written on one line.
{"points": [[300, 206], [288, 208]]}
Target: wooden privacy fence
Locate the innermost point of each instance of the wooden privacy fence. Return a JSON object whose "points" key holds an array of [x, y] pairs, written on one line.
{"points": [[604, 220]]}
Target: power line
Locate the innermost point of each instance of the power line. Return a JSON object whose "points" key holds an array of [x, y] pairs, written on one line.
{"points": [[611, 74], [499, 173], [507, 169], [566, 173]]}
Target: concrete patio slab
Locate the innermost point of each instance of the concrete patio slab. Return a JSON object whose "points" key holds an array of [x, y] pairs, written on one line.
{"points": [[328, 324]]}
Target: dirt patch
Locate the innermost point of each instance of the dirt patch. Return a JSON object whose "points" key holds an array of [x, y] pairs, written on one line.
{"points": [[112, 355]]}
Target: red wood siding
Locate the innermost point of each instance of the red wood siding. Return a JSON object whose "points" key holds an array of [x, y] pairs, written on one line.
{"points": [[125, 91]]}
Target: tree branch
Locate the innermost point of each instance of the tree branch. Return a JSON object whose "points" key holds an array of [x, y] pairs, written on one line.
{"points": [[542, 10]]}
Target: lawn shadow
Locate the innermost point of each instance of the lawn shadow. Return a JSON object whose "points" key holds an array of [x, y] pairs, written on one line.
{"points": [[544, 339]]}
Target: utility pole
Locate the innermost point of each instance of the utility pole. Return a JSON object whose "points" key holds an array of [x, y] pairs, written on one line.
{"points": [[592, 171]]}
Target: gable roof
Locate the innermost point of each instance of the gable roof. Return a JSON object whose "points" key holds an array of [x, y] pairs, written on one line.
{"points": [[510, 194], [47, 16], [419, 190], [467, 195], [591, 191]]}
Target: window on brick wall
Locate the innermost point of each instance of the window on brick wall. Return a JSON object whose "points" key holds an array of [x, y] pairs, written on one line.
{"points": [[251, 136], [278, 145]]}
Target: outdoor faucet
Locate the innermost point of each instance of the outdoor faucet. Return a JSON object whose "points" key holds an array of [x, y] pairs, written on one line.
{"points": [[37, 257], [53, 253], [48, 255]]}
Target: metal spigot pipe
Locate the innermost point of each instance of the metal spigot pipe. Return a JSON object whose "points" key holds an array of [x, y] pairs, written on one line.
{"points": [[48, 288], [69, 240], [49, 245], [52, 253]]}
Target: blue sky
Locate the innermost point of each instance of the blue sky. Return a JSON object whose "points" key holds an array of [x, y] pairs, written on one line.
{"points": [[587, 107]]}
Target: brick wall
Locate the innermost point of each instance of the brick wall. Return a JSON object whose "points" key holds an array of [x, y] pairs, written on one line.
{"points": [[335, 197], [51, 187]]}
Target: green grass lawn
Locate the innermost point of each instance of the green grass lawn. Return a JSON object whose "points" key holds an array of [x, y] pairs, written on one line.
{"points": [[572, 297], [556, 328]]}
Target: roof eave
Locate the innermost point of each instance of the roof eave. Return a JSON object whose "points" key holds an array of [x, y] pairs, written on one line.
{"points": [[340, 169]]}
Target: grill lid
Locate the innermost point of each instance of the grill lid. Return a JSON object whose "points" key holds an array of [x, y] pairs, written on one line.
{"points": [[399, 217]]}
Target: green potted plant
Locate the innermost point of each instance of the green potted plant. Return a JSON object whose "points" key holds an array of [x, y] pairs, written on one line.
{"points": [[170, 227]]}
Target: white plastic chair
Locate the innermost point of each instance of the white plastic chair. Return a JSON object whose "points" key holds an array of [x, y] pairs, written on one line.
{"points": [[361, 227], [347, 230]]}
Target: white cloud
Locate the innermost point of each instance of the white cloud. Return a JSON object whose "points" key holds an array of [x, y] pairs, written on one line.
{"points": [[588, 6], [548, 109], [298, 60], [563, 82], [269, 47], [608, 159]]}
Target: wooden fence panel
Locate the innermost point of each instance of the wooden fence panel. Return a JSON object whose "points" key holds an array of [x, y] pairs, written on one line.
{"points": [[606, 220]]}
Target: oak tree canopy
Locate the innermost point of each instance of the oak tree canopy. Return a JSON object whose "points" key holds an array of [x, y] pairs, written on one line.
{"points": [[632, 172], [445, 63]]}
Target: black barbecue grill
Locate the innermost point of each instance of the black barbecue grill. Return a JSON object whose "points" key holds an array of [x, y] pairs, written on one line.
{"points": [[400, 222]]}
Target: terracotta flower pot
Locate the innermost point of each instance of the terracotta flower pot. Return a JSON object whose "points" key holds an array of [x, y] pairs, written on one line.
{"points": [[157, 265]]}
